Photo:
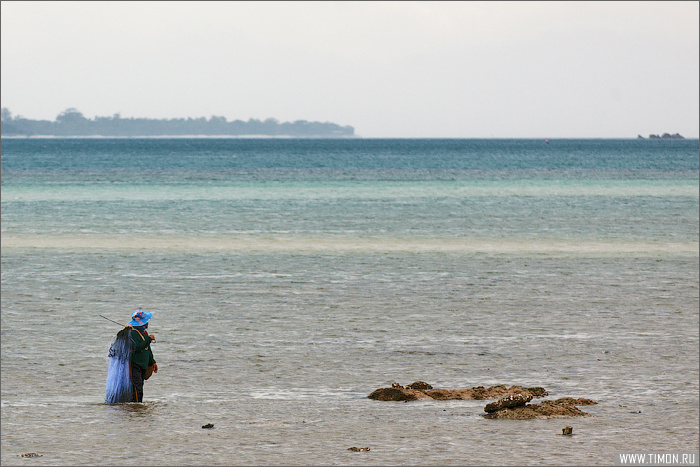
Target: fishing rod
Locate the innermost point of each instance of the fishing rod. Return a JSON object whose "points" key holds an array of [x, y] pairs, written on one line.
{"points": [[120, 324]]}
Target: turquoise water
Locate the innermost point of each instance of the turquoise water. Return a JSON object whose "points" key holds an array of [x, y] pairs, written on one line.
{"points": [[291, 278]]}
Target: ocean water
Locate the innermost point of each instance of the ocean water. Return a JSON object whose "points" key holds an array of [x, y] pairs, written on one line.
{"points": [[291, 278]]}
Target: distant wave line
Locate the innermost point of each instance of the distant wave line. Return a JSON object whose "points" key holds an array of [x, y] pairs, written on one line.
{"points": [[348, 190], [315, 243]]}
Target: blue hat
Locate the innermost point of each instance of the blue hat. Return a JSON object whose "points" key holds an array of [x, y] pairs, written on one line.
{"points": [[139, 318]]}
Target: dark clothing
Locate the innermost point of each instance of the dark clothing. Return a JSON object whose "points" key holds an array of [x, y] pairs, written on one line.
{"points": [[142, 354], [138, 376], [141, 358]]}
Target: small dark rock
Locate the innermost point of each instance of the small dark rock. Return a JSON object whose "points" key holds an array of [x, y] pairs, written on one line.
{"points": [[538, 391], [31, 454], [579, 401], [356, 449], [208, 425], [514, 400], [567, 431], [396, 394], [420, 385]]}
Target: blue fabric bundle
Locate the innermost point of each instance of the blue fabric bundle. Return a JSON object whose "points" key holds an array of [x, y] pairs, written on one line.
{"points": [[119, 387]]}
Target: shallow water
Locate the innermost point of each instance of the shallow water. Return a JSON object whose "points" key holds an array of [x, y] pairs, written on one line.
{"points": [[283, 298]]}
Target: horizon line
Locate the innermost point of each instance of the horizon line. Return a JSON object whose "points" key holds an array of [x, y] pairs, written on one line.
{"points": [[262, 136]]}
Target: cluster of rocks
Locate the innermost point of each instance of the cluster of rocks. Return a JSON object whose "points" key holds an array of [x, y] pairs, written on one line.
{"points": [[663, 136], [421, 390], [512, 402], [521, 410]]}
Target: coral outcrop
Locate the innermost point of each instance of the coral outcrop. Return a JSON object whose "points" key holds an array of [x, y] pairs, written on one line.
{"points": [[421, 390], [559, 408]]}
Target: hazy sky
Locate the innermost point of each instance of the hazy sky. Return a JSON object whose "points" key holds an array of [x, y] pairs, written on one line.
{"points": [[390, 69]]}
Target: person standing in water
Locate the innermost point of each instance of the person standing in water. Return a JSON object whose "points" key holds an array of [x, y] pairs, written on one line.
{"points": [[142, 362]]}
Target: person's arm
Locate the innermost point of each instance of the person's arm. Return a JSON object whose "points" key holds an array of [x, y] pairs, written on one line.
{"points": [[139, 340], [152, 361]]}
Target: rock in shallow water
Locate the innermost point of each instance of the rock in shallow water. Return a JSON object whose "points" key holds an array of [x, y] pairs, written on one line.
{"points": [[421, 390], [512, 403], [398, 394], [560, 408], [514, 400], [420, 385]]}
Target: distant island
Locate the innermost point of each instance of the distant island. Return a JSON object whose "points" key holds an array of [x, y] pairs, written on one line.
{"points": [[71, 122], [664, 136]]}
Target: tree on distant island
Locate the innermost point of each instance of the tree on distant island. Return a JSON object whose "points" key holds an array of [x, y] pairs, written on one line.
{"points": [[71, 122], [663, 136]]}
